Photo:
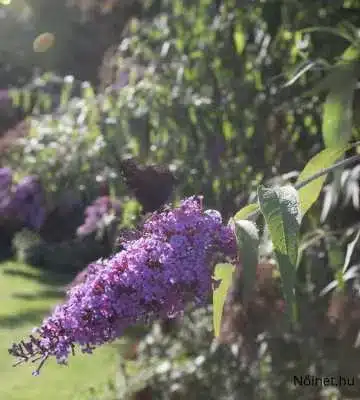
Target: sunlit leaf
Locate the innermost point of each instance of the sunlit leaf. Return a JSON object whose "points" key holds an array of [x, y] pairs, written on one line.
{"points": [[349, 251], [239, 39], [246, 211], [302, 69], [328, 288], [281, 209], [310, 193], [224, 273], [329, 201], [228, 130], [350, 274]]}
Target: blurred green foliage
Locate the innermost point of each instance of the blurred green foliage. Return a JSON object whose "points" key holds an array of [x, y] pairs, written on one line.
{"points": [[207, 93]]}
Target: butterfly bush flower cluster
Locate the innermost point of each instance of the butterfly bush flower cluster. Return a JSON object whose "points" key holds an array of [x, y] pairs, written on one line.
{"points": [[22, 202], [96, 213], [153, 277]]}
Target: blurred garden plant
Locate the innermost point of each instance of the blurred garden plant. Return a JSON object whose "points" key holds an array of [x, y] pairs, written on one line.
{"points": [[205, 101], [22, 203], [99, 215]]}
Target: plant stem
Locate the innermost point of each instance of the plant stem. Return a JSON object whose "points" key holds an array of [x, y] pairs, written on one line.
{"points": [[325, 171], [322, 172]]}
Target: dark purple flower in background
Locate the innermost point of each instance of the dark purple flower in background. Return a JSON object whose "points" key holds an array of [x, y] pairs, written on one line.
{"points": [[96, 212], [5, 179], [153, 277], [28, 202], [23, 202]]}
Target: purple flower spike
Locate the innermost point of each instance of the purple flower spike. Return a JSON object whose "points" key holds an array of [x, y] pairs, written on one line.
{"points": [[154, 277]]}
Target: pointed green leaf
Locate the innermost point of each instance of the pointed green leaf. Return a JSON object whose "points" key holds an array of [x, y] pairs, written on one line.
{"points": [[280, 207], [247, 237], [310, 193], [224, 273], [246, 211]]}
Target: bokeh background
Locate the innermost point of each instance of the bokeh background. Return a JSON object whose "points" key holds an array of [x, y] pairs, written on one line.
{"points": [[227, 93]]}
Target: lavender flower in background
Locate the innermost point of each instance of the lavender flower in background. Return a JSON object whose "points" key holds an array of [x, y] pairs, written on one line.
{"points": [[23, 202], [5, 179], [96, 213], [27, 202], [153, 277]]}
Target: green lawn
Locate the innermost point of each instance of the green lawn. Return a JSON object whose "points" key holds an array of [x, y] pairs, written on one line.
{"points": [[27, 295]]}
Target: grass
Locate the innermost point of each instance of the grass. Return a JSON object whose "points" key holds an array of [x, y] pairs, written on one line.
{"points": [[26, 296]]}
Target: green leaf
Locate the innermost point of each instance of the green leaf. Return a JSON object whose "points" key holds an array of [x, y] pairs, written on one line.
{"points": [[280, 207], [239, 39], [310, 193], [246, 211], [223, 272], [337, 115], [248, 241], [352, 53]]}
